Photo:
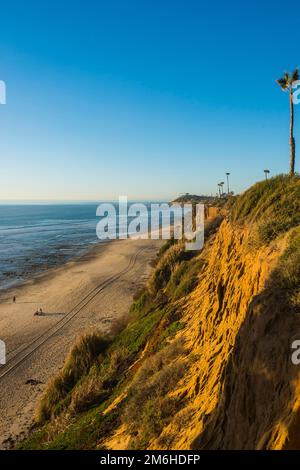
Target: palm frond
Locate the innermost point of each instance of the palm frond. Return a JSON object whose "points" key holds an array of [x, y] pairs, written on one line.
{"points": [[283, 82], [294, 75]]}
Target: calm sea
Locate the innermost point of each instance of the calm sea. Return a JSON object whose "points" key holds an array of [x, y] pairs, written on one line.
{"points": [[36, 237]]}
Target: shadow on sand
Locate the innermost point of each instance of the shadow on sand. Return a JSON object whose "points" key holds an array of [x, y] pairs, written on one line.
{"points": [[48, 314]]}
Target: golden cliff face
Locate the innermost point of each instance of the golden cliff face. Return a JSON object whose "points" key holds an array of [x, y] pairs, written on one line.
{"points": [[241, 386]]}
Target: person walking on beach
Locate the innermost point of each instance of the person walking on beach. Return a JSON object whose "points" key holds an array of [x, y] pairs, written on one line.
{"points": [[39, 312], [14, 299]]}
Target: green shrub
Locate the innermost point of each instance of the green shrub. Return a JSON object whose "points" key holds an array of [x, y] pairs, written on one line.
{"points": [[185, 278], [135, 335], [141, 302], [169, 332]]}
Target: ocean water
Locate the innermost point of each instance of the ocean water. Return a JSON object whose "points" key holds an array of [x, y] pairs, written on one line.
{"points": [[36, 237]]}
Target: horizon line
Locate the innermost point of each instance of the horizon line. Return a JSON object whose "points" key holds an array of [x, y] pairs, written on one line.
{"points": [[75, 201]]}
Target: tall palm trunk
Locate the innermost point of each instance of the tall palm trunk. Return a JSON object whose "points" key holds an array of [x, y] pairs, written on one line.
{"points": [[292, 140]]}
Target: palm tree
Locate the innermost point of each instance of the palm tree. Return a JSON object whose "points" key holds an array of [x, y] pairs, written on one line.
{"points": [[222, 184], [266, 173], [286, 84], [227, 175]]}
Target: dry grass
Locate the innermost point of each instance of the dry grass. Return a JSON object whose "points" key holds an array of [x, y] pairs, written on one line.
{"points": [[167, 264], [88, 393], [149, 407], [184, 278], [78, 363], [273, 205], [284, 282]]}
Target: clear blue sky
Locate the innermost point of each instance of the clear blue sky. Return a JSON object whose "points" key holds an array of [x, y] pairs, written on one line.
{"points": [[143, 98]]}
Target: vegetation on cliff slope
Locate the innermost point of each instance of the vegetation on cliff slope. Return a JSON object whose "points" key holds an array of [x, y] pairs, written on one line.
{"points": [[204, 360]]}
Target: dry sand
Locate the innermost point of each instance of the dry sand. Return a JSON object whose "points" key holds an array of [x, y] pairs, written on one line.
{"points": [[86, 293]]}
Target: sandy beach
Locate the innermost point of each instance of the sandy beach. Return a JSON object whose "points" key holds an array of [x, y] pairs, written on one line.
{"points": [[86, 293]]}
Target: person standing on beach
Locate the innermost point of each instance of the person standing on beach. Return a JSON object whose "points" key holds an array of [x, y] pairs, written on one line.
{"points": [[14, 299]]}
